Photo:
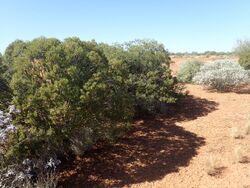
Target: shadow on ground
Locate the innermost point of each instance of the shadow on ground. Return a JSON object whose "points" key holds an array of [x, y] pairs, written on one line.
{"points": [[243, 89], [154, 148]]}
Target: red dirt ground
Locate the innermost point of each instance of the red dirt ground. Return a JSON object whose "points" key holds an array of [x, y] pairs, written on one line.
{"points": [[173, 150]]}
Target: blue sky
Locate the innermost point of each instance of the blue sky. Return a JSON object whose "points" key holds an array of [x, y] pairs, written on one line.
{"points": [[182, 25]]}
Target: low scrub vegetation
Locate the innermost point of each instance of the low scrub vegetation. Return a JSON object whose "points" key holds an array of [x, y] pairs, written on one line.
{"points": [[221, 75], [206, 53], [213, 167], [247, 128], [188, 70], [236, 133], [240, 155], [144, 67], [66, 96], [243, 50]]}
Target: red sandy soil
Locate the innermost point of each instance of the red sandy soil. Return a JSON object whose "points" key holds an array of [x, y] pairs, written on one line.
{"points": [[172, 151]]}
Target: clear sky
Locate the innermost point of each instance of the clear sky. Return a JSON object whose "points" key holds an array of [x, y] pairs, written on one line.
{"points": [[182, 25]]}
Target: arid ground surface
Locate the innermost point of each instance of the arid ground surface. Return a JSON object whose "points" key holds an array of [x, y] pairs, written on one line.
{"points": [[174, 150]]}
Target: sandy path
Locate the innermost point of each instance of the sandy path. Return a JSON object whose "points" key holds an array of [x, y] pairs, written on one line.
{"points": [[232, 111], [172, 151]]}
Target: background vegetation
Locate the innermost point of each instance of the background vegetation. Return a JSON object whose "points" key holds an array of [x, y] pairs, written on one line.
{"points": [[243, 50], [188, 70]]}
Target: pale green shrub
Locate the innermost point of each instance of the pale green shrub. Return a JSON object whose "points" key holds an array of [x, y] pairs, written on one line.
{"points": [[188, 70], [243, 51]]}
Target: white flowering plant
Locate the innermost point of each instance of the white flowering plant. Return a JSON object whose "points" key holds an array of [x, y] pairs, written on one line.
{"points": [[221, 75], [30, 173]]}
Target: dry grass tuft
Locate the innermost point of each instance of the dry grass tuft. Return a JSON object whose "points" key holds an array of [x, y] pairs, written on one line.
{"points": [[247, 128], [235, 133], [213, 167], [240, 156]]}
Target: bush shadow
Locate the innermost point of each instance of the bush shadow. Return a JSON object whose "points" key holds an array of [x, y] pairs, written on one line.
{"points": [[243, 89], [152, 149]]}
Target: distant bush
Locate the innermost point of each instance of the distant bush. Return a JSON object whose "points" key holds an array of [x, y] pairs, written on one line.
{"points": [[221, 75], [206, 53], [243, 50], [188, 70]]}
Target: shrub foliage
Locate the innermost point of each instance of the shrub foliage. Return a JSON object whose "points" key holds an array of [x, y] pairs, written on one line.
{"points": [[188, 70], [243, 50], [5, 92], [73, 93], [144, 68], [64, 89]]}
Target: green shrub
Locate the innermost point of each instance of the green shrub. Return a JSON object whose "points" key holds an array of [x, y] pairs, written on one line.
{"points": [[143, 66], [65, 92], [243, 50], [73, 93], [188, 70], [245, 59], [12, 53], [5, 92], [221, 75]]}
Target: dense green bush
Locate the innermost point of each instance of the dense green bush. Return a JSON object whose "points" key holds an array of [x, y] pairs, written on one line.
{"points": [[73, 93], [243, 50], [188, 70], [221, 75], [66, 95], [144, 67]]}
